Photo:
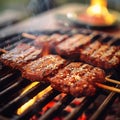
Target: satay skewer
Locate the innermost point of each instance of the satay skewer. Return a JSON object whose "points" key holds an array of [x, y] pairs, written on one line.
{"points": [[30, 36], [114, 89], [3, 50], [112, 80], [98, 84]]}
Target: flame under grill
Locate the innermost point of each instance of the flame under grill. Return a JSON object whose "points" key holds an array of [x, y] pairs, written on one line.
{"points": [[12, 85]]}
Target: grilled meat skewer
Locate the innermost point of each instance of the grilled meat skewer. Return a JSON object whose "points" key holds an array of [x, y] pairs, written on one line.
{"points": [[70, 47], [39, 69], [78, 79], [94, 53], [47, 43], [101, 55], [20, 55], [43, 69]]}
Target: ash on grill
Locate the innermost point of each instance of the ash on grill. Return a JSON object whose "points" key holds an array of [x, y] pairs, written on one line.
{"points": [[51, 104]]}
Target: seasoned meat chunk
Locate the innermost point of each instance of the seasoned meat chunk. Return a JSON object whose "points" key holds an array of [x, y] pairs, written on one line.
{"points": [[101, 55], [20, 55], [49, 42], [43, 67], [70, 47], [52, 39], [78, 79]]}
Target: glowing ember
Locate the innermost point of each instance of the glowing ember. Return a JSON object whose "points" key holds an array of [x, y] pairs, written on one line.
{"points": [[52, 103], [34, 99], [98, 14], [68, 109]]}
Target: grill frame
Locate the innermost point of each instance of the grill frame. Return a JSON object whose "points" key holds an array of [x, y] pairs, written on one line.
{"points": [[60, 105]]}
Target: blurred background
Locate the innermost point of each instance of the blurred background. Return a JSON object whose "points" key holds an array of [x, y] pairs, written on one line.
{"points": [[38, 6], [26, 14]]}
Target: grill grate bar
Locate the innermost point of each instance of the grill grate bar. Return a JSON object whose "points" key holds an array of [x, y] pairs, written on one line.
{"points": [[38, 105], [80, 109], [18, 101], [10, 37], [13, 88], [16, 43], [5, 77], [4, 72], [8, 79], [10, 41], [59, 106], [101, 110]]}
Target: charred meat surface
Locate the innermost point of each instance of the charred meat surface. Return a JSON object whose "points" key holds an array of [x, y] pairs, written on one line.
{"points": [[57, 38], [42, 67], [40, 40], [20, 55], [78, 79], [52, 39], [48, 42], [71, 46], [101, 55]]}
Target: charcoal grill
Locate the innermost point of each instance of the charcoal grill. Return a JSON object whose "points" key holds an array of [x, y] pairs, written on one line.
{"points": [[12, 84]]}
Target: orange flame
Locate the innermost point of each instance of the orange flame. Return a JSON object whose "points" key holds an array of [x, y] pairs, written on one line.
{"points": [[98, 9], [34, 99]]}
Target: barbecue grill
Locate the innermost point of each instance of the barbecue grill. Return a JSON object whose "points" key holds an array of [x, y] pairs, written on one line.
{"points": [[53, 104]]}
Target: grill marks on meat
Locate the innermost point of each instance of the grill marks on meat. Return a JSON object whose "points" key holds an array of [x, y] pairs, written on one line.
{"points": [[110, 59], [20, 56], [101, 55], [39, 69], [48, 42], [86, 52], [77, 79], [57, 38], [71, 46], [52, 39]]}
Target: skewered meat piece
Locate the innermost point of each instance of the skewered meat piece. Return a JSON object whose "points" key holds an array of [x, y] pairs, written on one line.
{"points": [[101, 55], [40, 40], [48, 42], [55, 39], [39, 69], [20, 55], [70, 47], [78, 79], [52, 39]]}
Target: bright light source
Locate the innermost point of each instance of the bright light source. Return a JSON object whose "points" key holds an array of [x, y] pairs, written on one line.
{"points": [[98, 9]]}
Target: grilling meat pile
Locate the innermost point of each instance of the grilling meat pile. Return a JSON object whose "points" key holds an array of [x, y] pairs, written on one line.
{"points": [[76, 78], [95, 53]]}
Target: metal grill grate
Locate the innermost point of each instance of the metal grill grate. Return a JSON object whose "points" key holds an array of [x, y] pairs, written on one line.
{"points": [[12, 85]]}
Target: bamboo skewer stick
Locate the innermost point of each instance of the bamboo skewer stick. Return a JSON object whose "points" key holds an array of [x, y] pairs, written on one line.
{"points": [[108, 87], [30, 36], [112, 81], [2, 50]]}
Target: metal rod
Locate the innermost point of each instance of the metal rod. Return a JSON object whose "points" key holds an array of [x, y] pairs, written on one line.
{"points": [[56, 109], [108, 101]]}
